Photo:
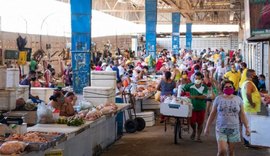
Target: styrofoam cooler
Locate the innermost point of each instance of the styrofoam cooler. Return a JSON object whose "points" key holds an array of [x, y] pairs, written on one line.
{"points": [[99, 95], [44, 94], [176, 109], [3, 71], [103, 79], [7, 99], [149, 117], [12, 78], [22, 92]]}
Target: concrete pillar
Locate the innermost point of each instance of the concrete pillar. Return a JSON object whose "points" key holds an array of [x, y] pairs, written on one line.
{"points": [[175, 32], [151, 22], [81, 43], [189, 36]]}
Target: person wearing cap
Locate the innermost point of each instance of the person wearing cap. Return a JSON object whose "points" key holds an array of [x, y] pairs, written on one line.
{"points": [[103, 66]]}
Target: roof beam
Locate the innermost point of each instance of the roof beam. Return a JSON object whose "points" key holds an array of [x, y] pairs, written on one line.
{"points": [[179, 9]]}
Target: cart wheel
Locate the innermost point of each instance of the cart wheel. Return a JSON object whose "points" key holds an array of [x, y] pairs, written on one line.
{"points": [[131, 126], [176, 131], [141, 123]]}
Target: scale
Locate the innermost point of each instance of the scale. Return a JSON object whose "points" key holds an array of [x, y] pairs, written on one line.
{"points": [[12, 118], [12, 123]]}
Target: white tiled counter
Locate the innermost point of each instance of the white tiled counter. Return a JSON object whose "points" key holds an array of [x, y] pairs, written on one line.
{"points": [[83, 140]]}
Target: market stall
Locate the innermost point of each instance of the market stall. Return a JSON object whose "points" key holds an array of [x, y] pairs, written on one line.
{"points": [[87, 139]]}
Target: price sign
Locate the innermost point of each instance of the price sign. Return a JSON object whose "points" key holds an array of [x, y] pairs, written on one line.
{"points": [[55, 152]]}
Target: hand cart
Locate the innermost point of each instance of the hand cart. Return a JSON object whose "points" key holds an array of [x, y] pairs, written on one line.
{"points": [[181, 113], [179, 122], [136, 124]]}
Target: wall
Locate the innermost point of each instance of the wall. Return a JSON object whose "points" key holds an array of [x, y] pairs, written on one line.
{"points": [[122, 42], [202, 43]]}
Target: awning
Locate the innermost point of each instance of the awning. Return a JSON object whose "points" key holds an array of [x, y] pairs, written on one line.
{"points": [[259, 38]]}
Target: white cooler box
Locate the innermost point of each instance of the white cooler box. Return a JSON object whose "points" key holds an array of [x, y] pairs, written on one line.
{"points": [[103, 79], [149, 118], [7, 100], [99, 95], [177, 110], [44, 94]]}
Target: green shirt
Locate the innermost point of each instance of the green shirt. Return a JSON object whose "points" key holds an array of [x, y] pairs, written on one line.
{"points": [[33, 65], [198, 104]]}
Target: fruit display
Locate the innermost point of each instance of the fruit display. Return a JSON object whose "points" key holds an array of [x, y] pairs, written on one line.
{"points": [[62, 120]]}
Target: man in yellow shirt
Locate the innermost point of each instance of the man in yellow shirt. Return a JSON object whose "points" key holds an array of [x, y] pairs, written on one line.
{"points": [[251, 99], [234, 76], [243, 68]]}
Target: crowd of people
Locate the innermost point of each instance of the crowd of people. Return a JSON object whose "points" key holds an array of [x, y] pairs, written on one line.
{"points": [[220, 87], [219, 84]]}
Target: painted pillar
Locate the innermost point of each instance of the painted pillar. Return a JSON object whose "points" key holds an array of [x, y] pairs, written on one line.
{"points": [[175, 32], [80, 43], [188, 36], [151, 22]]}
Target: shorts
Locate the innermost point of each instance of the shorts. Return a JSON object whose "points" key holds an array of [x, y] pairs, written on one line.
{"points": [[228, 135], [197, 117]]}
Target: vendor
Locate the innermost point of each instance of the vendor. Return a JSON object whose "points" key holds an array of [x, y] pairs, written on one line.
{"points": [[143, 73], [63, 103], [27, 81]]}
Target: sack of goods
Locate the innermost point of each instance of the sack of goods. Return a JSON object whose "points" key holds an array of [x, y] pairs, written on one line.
{"points": [[178, 107]]}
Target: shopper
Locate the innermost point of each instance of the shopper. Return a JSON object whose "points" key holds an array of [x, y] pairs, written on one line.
{"points": [[262, 86], [229, 111], [198, 94], [243, 70], [166, 87], [234, 76], [251, 98], [176, 74]]}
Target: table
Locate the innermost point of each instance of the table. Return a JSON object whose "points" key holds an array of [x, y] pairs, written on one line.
{"points": [[87, 139]]}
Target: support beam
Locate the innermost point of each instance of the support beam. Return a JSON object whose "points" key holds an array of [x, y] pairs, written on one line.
{"points": [[179, 9], [108, 5]]}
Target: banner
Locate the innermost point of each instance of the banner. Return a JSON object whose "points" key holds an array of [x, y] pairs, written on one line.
{"points": [[259, 17], [80, 43], [175, 32], [188, 36], [151, 22]]}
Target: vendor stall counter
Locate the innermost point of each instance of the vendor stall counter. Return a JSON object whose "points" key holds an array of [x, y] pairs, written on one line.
{"points": [[87, 139]]}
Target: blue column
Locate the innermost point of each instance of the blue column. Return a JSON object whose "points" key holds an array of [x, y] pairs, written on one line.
{"points": [[188, 36], [175, 32], [80, 43], [151, 22]]}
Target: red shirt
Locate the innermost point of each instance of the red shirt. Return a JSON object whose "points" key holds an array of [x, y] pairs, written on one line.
{"points": [[159, 64]]}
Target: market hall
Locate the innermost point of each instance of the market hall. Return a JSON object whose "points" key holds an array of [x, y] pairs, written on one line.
{"points": [[134, 77]]}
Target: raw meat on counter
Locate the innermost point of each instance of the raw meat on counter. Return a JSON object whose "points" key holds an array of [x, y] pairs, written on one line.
{"points": [[93, 115], [12, 147], [100, 110], [28, 137]]}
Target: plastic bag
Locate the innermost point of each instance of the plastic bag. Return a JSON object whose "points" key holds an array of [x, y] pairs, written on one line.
{"points": [[157, 96], [44, 114]]}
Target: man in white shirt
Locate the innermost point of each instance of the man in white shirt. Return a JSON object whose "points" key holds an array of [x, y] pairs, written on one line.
{"points": [[121, 69]]}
